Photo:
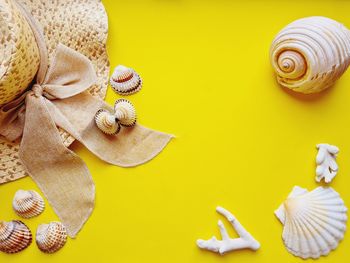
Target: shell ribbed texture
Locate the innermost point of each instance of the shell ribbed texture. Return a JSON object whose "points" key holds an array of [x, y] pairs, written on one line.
{"points": [[310, 54], [14, 236]]}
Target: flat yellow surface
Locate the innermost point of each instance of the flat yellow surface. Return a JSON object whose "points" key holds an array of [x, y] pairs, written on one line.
{"points": [[242, 141]]}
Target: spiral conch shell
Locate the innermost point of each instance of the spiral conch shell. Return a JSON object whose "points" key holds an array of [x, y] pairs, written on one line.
{"points": [[51, 237], [314, 222], [28, 204], [310, 54], [14, 236], [124, 115], [125, 81]]}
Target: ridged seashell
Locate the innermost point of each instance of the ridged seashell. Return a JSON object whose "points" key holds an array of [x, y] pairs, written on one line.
{"points": [[14, 236], [51, 237], [125, 81], [106, 122], [314, 222], [28, 204], [125, 112], [310, 54]]}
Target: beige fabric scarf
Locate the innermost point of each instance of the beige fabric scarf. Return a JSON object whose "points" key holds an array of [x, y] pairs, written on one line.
{"points": [[59, 98]]}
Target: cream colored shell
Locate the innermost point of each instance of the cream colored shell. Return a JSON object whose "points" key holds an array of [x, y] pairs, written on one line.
{"points": [[14, 236], [28, 204], [51, 237], [110, 123], [125, 81], [314, 222], [125, 112], [310, 54], [106, 122]]}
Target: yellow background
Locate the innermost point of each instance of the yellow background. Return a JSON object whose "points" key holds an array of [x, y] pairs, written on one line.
{"points": [[242, 141]]}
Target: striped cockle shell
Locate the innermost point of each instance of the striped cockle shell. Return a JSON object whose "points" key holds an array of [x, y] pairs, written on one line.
{"points": [[310, 54], [106, 122], [314, 222], [14, 236], [51, 237], [125, 81], [28, 204], [125, 112]]}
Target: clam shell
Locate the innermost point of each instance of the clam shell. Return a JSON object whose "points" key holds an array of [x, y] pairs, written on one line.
{"points": [[106, 122], [314, 222], [28, 204], [14, 236], [310, 54], [125, 81], [51, 237], [125, 112]]}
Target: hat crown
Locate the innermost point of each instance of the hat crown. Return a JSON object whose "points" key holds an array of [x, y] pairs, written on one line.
{"points": [[19, 53]]}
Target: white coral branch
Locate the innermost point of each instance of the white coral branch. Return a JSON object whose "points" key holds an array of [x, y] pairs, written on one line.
{"points": [[327, 167], [245, 240]]}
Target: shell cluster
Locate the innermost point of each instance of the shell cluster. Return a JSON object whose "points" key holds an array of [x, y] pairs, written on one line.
{"points": [[106, 122], [51, 237], [110, 123], [310, 54], [14, 236], [28, 204], [314, 222], [125, 81]]}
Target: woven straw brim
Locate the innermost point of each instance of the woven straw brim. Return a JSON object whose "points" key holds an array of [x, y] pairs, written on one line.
{"points": [[79, 24]]}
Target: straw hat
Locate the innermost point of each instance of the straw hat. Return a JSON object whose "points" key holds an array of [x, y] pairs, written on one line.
{"points": [[79, 24]]}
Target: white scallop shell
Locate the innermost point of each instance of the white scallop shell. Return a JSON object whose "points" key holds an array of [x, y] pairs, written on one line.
{"points": [[14, 236], [310, 54], [51, 237], [106, 122], [125, 81], [28, 204], [314, 222], [125, 112]]}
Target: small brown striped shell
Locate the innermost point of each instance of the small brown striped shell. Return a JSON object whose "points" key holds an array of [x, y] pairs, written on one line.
{"points": [[125, 81], [124, 115], [125, 112], [14, 236], [106, 122], [28, 204], [51, 237]]}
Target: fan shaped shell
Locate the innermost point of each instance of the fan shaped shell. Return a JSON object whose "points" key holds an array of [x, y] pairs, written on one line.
{"points": [[51, 237], [125, 81], [310, 54], [314, 222], [28, 204], [14, 236], [125, 112], [106, 122]]}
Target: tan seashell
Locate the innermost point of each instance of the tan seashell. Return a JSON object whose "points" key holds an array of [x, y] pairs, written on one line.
{"points": [[125, 112], [14, 236], [314, 222], [51, 237], [124, 115], [28, 204], [310, 54], [106, 122], [125, 81]]}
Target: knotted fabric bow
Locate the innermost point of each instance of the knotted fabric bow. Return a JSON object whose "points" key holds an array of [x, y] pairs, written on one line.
{"points": [[59, 98]]}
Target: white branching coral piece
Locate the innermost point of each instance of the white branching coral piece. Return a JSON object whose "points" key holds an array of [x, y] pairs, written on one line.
{"points": [[245, 240], [327, 167]]}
